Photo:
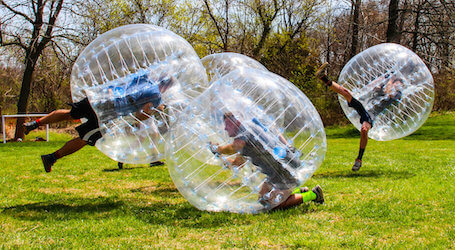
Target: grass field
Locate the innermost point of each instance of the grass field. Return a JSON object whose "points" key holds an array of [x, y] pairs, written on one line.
{"points": [[404, 197]]}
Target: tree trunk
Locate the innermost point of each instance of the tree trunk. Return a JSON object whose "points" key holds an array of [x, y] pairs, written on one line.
{"points": [[30, 63], [355, 29], [415, 34], [260, 45], [393, 34]]}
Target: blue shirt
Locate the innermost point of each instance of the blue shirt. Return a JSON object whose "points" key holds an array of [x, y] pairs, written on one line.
{"points": [[132, 96]]}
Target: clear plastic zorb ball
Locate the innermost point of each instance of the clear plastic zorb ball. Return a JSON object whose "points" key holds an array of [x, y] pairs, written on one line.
{"points": [[395, 87], [137, 78], [220, 64], [245, 143]]}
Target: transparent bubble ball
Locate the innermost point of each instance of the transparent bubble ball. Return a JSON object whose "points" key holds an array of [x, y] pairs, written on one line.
{"points": [[395, 87], [220, 64], [281, 132], [126, 69]]}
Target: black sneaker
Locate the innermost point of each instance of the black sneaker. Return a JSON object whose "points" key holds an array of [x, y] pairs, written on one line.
{"points": [[319, 195], [120, 165], [29, 126], [357, 165], [156, 163], [48, 161]]}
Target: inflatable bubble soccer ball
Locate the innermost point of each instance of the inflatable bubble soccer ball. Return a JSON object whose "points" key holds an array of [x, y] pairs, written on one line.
{"points": [[245, 143], [395, 87], [220, 64], [137, 78]]}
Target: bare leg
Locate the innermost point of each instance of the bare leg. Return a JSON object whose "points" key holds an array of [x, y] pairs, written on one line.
{"points": [[354, 103], [333, 85], [56, 116], [70, 147], [341, 90], [366, 126], [293, 200], [315, 195]]}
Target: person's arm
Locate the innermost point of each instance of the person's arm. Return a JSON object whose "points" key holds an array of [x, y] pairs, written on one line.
{"points": [[393, 88], [282, 139], [147, 111], [237, 161], [388, 87], [228, 149], [378, 83]]}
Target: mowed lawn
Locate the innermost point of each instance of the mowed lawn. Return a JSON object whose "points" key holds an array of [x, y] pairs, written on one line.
{"points": [[403, 196]]}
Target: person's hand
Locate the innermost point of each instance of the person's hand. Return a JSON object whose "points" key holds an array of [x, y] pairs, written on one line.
{"points": [[294, 151], [213, 148], [291, 148]]}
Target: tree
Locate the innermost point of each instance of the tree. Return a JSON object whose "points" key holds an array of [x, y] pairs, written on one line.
{"points": [[30, 26], [221, 22], [356, 6], [429, 31], [266, 12], [393, 34]]}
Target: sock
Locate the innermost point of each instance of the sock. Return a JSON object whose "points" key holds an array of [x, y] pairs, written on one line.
{"points": [[296, 191], [56, 155], [308, 196], [361, 150], [38, 122], [326, 80]]}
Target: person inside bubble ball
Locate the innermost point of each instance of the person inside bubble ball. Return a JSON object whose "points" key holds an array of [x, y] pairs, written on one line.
{"points": [[386, 91], [279, 181], [149, 98]]}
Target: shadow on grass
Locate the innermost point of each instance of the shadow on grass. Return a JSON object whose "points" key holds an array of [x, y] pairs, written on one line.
{"points": [[185, 215], [63, 209], [127, 168], [162, 191], [118, 169], [365, 174], [181, 214]]}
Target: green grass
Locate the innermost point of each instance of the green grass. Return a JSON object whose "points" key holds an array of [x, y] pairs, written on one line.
{"points": [[403, 197]]}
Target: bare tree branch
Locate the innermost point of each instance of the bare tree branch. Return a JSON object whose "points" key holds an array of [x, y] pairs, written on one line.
{"points": [[16, 12]]}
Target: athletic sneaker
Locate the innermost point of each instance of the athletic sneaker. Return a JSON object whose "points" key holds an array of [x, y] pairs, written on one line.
{"points": [[319, 195], [29, 126], [48, 161], [156, 163], [357, 165], [321, 71]]}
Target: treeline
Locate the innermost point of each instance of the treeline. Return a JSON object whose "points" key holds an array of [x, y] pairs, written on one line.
{"points": [[41, 39]]}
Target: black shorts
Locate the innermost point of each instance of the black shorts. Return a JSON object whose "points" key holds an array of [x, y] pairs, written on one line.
{"points": [[88, 131], [364, 116]]}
